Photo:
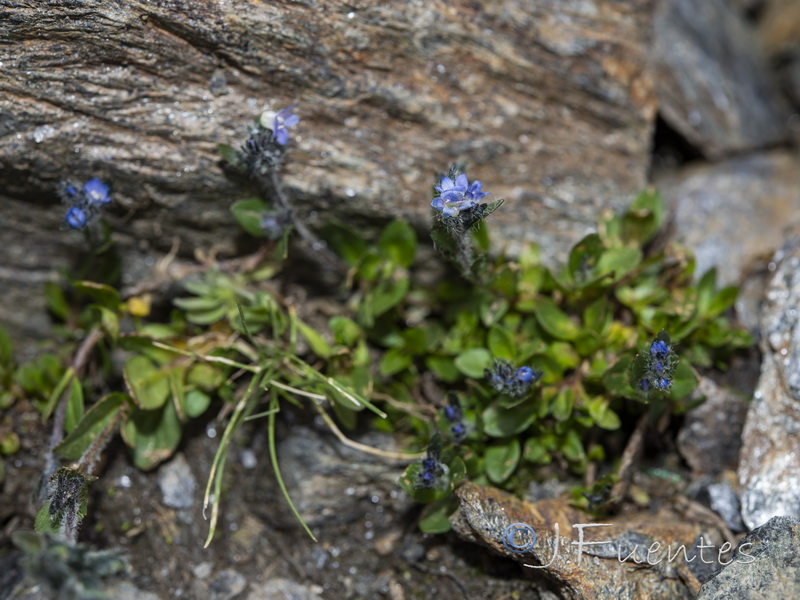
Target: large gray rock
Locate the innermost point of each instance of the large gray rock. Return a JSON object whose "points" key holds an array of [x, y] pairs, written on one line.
{"points": [[764, 565], [713, 81], [769, 463], [734, 213], [549, 102], [709, 438]]}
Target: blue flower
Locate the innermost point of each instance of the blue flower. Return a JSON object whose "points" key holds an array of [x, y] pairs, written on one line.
{"points": [[76, 217], [71, 191], [96, 191], [474, 192], [452, 413], [662, 383], [515, 383], [524, 374], [456, 196], [459, 431], [644, 385], [282, 120], [659, 348]]}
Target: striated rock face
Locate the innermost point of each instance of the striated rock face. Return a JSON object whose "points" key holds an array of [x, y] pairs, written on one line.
{"points": [[548, 103], [769, 463]]}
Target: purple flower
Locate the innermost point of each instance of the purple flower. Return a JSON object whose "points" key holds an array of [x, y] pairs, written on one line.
{"points": [[282, 120], [474, 192], [76, 217], [455, 196], [96, 191]]}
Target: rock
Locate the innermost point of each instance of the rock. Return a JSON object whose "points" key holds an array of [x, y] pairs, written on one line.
{"points": [[710, 435], [550, 103], [734, 213], [769, 463], [764, 565], [713, 81], [780, 31], [284, 589], [725, 502], [646, 557], [333, 484], [177, 483], [225, 585]]}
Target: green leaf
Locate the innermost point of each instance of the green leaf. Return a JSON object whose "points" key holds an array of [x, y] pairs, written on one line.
{"points": [[195, 403], [74, 406], [501, 343], [399, 242], [562, 405], [229, 155], [473, 362], [104, 295], [56, 301], [555, 321], [207, 317], [394, 361], [99, 416], [620, 261], [319, 346], [205, 376], [198, 303], [571, 446], [722, 301], [147, 383], [110, 322], [388, 294], [706, 289], [502, 459], [345, 331], [644, 218], [345, 241], [443, 367], [584, 257], [684, 381], [152, 435], [249, 212], [536, 452], [435, 517], [503, 422], [602, 414]]}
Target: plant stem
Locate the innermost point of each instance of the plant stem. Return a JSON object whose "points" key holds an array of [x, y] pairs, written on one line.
{"points": [[271, 188]]}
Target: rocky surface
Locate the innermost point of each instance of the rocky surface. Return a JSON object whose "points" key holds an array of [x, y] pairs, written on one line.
{"points": [[549, 102], [769, 464], [734, 213], [710, 436], [713, 81], [763, 566], [635, 556]]}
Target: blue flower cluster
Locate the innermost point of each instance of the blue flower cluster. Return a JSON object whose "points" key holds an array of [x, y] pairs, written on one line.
{"points": [[506, 380], [456, 196], [85, 203], [454, 416], [659, 366], [432, 466]]}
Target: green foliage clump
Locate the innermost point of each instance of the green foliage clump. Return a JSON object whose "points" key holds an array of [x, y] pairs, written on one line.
{"points": [[534, 362]]}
